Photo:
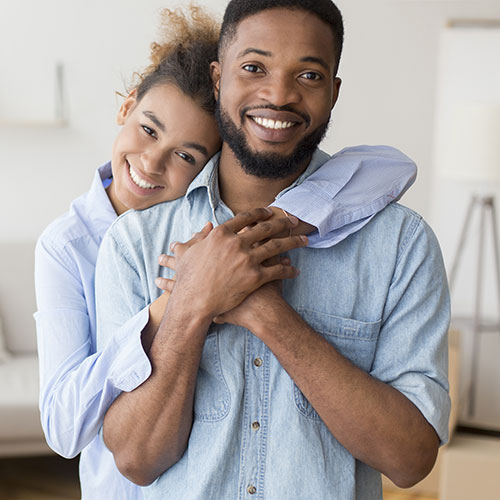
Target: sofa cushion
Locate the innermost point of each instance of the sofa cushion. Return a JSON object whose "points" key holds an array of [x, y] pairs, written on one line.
{"points": [[4, 354], [19, 413], [17, 296]]}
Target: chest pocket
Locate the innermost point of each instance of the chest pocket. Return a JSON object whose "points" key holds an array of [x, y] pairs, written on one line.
{"points": [[355, 340], [211, 398]]}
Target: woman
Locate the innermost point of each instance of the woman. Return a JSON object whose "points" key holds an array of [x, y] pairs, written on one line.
{"points": [[168, 134]]}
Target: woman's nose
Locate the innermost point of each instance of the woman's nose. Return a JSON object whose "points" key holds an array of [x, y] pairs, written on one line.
{"points": [[153, 161]]}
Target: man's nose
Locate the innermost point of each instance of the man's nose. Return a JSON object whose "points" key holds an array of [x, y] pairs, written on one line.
{"points": [[280, 90]]}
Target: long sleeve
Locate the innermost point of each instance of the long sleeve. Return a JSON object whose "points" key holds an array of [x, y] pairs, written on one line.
{"points": [[348, 190], [78, 383]]}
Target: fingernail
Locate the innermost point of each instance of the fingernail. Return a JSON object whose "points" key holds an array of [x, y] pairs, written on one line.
{"points": [[268, 210], [158, 282], [293, 219], [172, 245], [304, 238]]}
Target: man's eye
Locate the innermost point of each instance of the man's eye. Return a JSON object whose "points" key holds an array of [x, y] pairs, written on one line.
{"points": [[311, 75], [186, 157], [149, 130], [252, 68]]}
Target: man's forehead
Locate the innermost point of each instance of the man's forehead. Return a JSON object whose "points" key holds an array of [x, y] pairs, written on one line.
{"points": [[280, 30]]}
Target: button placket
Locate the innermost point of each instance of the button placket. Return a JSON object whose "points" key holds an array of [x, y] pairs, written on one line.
{"points": [[255, 419]]}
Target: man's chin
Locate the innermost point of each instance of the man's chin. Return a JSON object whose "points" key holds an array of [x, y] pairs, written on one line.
{"points": [[268, 161]]}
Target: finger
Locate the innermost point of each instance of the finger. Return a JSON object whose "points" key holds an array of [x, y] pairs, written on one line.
{"points": [[277, 246], [167, 261], [239, 221], [268, 229], [165, 284], [278, 272], [195, 237], [246, 228], [272, 261], [219, 319]]}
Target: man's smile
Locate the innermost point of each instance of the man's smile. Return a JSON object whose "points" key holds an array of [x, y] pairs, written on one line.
{"points": [[272, 125]]}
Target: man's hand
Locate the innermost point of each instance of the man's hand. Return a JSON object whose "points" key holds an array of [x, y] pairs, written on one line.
{"points": [[259, 304], [218, 270]]}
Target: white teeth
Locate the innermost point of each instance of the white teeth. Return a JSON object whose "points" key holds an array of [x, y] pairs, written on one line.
{"points": [[273, 124], [140, 182]]}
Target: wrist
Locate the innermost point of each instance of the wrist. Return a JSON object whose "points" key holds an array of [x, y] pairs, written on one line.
{"points": [[271, 319]]}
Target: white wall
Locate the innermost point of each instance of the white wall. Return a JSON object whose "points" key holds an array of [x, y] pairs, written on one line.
{"points": [[388, 68], [389, 71]]}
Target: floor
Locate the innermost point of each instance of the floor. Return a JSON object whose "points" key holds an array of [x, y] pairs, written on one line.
{"points": [[54, 478], [39, 478]]}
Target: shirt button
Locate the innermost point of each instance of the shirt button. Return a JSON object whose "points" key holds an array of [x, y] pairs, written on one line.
{"points": [[252, 489], [257, 362], [255, 426]]}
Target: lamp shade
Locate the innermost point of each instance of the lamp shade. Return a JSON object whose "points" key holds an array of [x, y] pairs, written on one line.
{"points": [[471, 143]]}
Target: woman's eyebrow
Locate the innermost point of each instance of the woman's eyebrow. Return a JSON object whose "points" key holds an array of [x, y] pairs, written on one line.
{"points": [[198, 147], [154, 119]]}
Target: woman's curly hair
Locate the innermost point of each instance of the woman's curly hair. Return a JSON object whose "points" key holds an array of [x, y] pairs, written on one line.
{"points": [[183, 55]]}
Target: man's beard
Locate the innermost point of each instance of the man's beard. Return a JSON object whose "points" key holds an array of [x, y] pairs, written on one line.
{"points": [[266, 165]]}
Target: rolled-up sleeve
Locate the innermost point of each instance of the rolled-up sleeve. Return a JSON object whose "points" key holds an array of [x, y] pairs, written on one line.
{"points": [[412, 350]]}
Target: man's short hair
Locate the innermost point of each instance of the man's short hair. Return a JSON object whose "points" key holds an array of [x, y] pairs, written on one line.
{"points": [[238, 10]]}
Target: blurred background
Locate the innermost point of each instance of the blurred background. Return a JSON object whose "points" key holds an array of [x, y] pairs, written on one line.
{"points": [[420, 75]]}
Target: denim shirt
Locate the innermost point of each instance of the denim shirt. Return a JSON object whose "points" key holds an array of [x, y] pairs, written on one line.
{"points": [[380, 297]]}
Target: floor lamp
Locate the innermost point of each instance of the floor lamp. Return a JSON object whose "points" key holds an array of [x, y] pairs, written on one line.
{"points": [[473, 155]]}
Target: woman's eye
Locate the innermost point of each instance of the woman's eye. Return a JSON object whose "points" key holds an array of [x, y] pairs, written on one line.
{"points": [[149, 130], [186, 157], [252, 68], [311, 75]]}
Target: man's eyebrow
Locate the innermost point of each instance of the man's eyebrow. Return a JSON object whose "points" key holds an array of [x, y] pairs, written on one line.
{"points": [[154, 119], [266, 53], [251, 50], [316, 60], [198, 147]]}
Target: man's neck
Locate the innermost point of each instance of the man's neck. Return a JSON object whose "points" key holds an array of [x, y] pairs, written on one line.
{"points": [[241, 191]]}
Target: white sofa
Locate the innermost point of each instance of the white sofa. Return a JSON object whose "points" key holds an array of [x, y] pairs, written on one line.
{"points": [[20, 429]]}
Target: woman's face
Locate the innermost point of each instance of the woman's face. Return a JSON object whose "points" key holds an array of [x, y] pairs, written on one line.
{"points": [[165, 140]]}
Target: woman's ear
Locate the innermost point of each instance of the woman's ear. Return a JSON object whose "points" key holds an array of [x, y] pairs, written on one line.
{"points": [[215, 75], [126, 108]]}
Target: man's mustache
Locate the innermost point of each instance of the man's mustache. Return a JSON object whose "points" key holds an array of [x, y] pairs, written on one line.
{"points": [[286, 107]]}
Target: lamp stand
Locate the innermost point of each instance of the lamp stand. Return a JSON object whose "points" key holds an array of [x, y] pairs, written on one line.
{"points": [[486, 204]]}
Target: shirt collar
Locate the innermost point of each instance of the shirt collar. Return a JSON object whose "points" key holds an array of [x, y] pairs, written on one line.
{"points": [[99, 209], [208, 177]]}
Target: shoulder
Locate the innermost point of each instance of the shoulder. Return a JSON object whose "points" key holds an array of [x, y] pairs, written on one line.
{"points": [[401, 228], [62, 231], [134, 224], [67, 235], [138, 233]]}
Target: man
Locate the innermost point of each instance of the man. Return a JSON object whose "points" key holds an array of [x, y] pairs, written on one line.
{"points": [[300, 390]]}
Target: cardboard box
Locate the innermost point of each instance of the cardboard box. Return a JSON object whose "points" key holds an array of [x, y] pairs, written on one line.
{"points": [[430, 485], [471, 468]]}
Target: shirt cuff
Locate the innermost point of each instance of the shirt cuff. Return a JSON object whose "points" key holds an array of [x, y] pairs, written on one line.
{"points": [[301, 207], [430, 398], [131, 366]]}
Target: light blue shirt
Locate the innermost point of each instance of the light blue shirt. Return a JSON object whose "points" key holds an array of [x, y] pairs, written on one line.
{"points": [[78, 381], [380, 297]]}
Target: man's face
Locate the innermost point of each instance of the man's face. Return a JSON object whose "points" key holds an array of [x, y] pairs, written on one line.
{"points": [[276, 87]]}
